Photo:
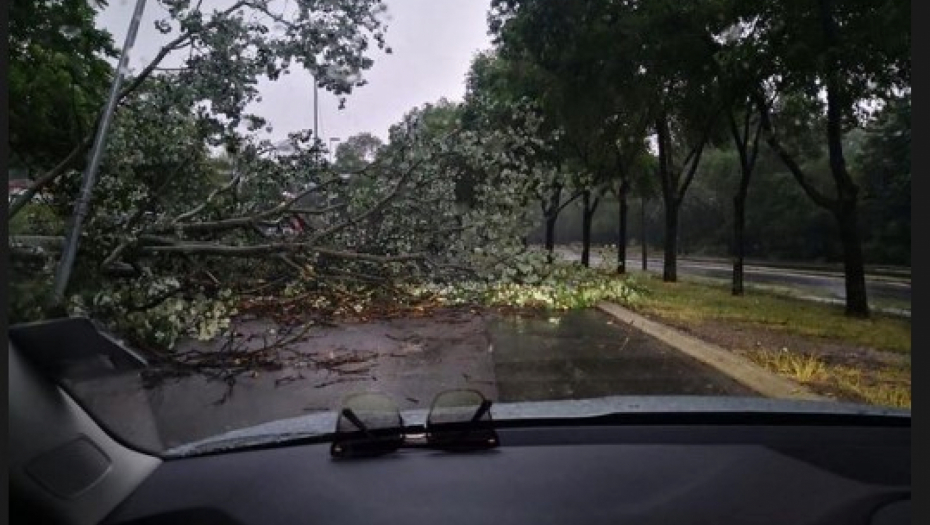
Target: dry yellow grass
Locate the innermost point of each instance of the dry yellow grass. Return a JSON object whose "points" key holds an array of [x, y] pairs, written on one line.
{"points": [[889, 386]]}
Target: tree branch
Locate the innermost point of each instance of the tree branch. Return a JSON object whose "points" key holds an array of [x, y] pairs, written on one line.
{"points": [[197, 209], [65, 164], [772, 140], [177, 43], [371, 211], [258, 250], [696, 152], [246, 220], [236, 222], [49, 177], [123, 246], [755, 145], [738, 138], [319, 211], [570, 200], [692, 170], [746, 121]]}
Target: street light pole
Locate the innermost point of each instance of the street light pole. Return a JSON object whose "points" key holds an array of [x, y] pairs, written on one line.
{"points": [[81, 207], [316, 110]]}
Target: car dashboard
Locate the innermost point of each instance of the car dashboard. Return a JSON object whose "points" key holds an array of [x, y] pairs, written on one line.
{"points": [[760, 466], [639, 474]]}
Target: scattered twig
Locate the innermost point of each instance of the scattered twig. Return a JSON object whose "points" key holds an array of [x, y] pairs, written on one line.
{"points": [[339, 380]]}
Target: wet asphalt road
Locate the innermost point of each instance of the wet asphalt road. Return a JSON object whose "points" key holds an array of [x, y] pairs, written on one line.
{"points": [[820, 285], [586, 354], [577, 355]]}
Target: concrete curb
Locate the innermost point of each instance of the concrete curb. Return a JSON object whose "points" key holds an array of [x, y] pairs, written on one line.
{"points": [[746, 372]]}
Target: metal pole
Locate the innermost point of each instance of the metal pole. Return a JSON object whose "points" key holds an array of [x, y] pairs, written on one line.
{"points": [[316, 110], [73, 236], [642, 225]]}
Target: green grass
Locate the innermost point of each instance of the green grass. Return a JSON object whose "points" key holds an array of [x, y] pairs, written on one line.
{"points": [[692, 302], [35, 219]]}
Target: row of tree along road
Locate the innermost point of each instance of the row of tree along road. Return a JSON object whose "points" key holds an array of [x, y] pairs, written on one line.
{"points": [[643, 90]]}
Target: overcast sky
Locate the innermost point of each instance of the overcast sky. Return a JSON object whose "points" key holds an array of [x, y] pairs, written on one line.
{"points": [[433, 42]]}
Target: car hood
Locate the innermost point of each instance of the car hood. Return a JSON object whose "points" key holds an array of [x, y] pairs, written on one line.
{"points": [[324, 423]]}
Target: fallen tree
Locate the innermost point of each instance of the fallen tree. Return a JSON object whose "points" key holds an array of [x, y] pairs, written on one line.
{"points": [[177, 238]]}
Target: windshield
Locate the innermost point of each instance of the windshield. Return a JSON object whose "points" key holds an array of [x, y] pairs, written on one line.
{"points": [[276, 204]]}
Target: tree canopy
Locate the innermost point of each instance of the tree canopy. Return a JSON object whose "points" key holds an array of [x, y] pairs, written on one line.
{"points": [[58, 78]]}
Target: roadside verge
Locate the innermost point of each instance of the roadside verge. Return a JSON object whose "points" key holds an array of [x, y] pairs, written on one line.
{"points": [[742, 370]]}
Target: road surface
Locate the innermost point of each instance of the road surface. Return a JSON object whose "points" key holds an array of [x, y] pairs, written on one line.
{"points": [[576, 355], [819, 285], [586, 354]]}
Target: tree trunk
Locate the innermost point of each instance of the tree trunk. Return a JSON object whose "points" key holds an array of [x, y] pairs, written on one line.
{"points": [[552, 215], [748, 148], [621, 237], [669, 190], [586, 216], [857, 304], [670, 269], [642, 225], [739, 220], [550, 235]]}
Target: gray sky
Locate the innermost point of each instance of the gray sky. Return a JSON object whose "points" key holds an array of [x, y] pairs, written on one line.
{"points": [[433, 42]]}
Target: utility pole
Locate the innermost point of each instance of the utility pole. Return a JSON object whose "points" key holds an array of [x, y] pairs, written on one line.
{"points": [[81, 207], [316, 110]]}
